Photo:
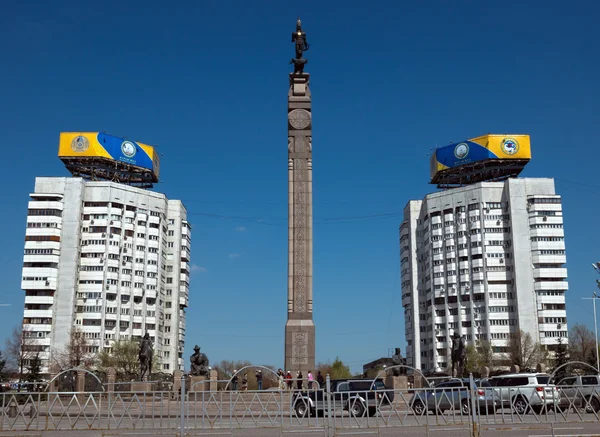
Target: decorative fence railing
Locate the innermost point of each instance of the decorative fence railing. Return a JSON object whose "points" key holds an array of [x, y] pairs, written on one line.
{"points": [[198, 408]]}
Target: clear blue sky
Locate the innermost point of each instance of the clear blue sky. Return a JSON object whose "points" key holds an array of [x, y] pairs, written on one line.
{"points": [[207, 82]]}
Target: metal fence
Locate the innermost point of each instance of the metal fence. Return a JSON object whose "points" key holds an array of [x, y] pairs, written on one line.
{"points": [[197, 408]]}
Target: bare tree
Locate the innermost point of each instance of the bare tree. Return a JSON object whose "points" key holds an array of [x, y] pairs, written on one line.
{"points": [[582, 345], [485, 355], [21, 348], [524, 352], [76, 353], [122, 356]]}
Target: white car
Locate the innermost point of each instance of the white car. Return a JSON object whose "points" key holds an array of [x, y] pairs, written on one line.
{"points": [[525, 391]]}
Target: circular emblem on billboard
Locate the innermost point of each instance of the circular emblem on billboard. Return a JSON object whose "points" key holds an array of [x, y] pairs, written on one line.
{"points": [[128, 149], [299, 118], [510, 146], [461, 150], [80, 143]]}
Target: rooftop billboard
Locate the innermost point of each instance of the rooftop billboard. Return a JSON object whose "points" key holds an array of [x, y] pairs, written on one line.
{"points": [[475, 152], [101, 145]]}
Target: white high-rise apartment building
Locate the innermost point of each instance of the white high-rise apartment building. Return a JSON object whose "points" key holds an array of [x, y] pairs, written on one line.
{"points": [[110, 260], [485, 261]]}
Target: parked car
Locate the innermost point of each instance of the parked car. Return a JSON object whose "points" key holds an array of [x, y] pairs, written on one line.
{"points": [[357, 396], [454, 395], [525, 391], [580, 392]]}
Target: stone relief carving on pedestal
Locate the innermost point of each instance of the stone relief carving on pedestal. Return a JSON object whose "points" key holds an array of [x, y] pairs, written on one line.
{"points": [[299, 118], [300, 348], [300, 226]]}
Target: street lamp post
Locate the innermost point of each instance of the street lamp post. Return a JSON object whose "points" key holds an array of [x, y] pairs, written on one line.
{"points": [[594, 297]]}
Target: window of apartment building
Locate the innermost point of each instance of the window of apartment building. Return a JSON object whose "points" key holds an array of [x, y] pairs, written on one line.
{"points": [[544, 200], [546, 226], [39, 251], [547, 238], [554, 320], [473, 206], [152, 250], [171, 221], [42, 238], [550, 293], [47, 212], [553, 306], [495, 255], [91, 268], [497, 230], [42, 225], [501, 309], [171, 233]]}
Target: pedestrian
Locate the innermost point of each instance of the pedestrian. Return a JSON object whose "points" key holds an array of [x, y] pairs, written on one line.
{"points": [[245, 382], [259, 378], [288, 377], [299, 377], [234, 381], [280, 377], [310, 379], [320, 379]]}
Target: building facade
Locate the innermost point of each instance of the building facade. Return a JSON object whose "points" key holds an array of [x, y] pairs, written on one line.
{"points": [[485, 261], [108, 260]]}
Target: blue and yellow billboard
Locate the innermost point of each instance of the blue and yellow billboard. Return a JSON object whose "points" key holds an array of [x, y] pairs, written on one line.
{"points": [[490, 147], [101, 145]]}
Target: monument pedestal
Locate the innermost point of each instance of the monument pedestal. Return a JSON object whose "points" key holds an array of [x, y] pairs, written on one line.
{"points": [[396, 382], [213, 380], [199, 384], [300, 327], [141, 387]]}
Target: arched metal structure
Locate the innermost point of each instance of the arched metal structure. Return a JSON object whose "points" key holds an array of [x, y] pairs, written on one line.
{"points": [[76, 369]]}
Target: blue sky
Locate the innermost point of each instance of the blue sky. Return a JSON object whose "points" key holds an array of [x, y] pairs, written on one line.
{"points": [[207, 82]]}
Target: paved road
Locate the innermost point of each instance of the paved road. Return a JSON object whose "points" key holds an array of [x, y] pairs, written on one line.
{"points": [[539, 430]]}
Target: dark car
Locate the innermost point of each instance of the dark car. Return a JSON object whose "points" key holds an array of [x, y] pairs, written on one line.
{"points": [[357, 396]]}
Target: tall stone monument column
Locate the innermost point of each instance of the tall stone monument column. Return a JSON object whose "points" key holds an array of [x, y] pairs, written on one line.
{"points": [[300, 328]]}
